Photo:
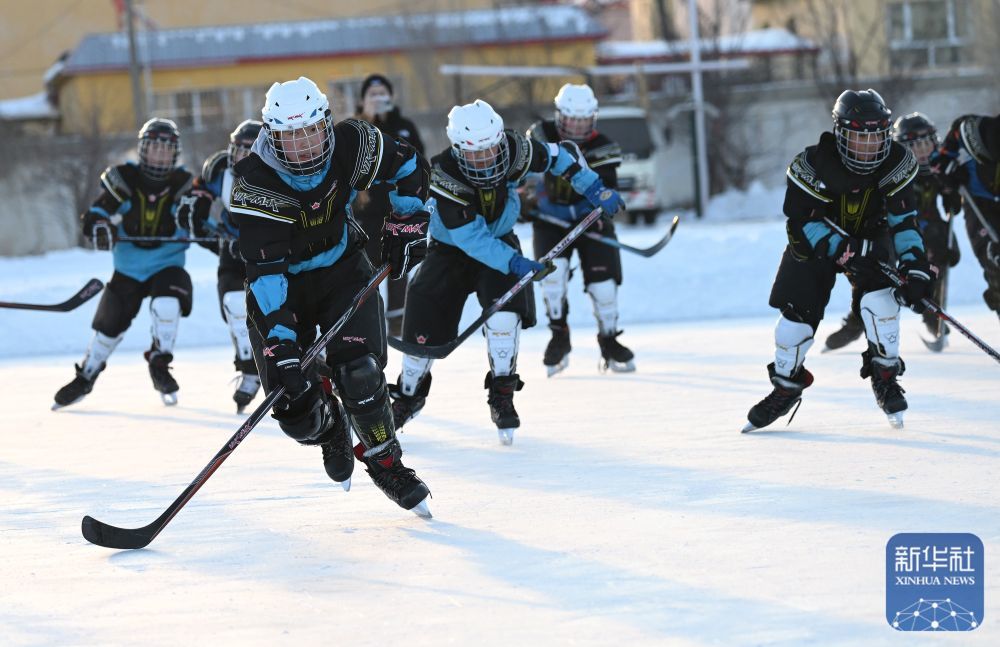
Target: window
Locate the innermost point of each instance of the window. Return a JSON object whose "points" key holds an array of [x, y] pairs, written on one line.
{"points": [[203, 109], [928, 33]]}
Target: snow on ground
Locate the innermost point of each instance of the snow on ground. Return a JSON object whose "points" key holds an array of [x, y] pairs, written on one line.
{"points": [[630, 510]]}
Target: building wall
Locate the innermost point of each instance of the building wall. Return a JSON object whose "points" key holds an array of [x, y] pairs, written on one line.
{"points": [[419, 87], [34, 34]]}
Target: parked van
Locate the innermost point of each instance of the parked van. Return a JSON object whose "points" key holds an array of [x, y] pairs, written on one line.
{"points": [[629, 127]]}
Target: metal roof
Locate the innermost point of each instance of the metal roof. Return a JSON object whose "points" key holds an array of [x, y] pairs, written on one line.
{"points": [[226, 45]]}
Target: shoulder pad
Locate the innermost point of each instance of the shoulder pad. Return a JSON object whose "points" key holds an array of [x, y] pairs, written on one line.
{"points": [[363, 150], [972, 138], [257, 192], [802, 173], [900, 169], [445, 183], [181, 181], [537, 131], [118, 181], [601, 151], [214, 166], [520, 153]]}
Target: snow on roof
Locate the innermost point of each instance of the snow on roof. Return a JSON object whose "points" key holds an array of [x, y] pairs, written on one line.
{"points": [[227, 44], [35, 106], [759, 41]]}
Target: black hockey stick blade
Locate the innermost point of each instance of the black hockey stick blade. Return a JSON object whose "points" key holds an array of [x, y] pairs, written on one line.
{"points": [[443, 350], [102, 534], [645, 252], [87, 292]]}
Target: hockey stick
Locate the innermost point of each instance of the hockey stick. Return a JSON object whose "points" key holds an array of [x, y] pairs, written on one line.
{"points": [[898, 281], [442, 351], [102, 534], [935, 309], [167, 239], [967, 199], [607, 240], [86, 293]]}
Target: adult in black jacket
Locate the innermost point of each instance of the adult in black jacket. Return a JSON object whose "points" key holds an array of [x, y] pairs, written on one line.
{"points": [[371, 206]]}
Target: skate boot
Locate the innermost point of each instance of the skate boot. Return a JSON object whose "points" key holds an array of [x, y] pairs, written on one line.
{"points": [[77, 389], [501, 401], [249, 384], [338, 446], [159, 371], [851, 329], [787, 393], [557, 352], [888, 394], [406, 407], [614, 356], [396, 481]]}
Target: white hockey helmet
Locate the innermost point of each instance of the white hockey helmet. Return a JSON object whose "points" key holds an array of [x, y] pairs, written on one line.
{"points": [[479, 143], [299, 125], [576, 112]]}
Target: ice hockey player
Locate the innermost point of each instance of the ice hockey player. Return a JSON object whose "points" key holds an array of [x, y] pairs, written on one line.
{"points": [[208, 212], [850, 204], [305, 262], [473, 249], [917, 132], [576, 121], [370, 206], [139, 200], [969, 156]]}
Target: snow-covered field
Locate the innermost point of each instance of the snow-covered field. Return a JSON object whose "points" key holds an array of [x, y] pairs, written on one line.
{"points": [[630, 510]]}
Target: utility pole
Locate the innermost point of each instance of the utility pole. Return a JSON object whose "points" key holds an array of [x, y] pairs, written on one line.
{"points": [[138, 97], [701, 150]]}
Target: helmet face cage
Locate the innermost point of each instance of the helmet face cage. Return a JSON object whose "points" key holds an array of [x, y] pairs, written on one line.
{"points": [[577, 129], [238, 150], [304, 150], [241, 140], [922, 146], [158, 154], [862, 148], [484, 168]]}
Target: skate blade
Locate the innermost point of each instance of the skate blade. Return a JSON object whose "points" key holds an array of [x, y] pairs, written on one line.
{"points": [[557, 368], [346, 485], [603, 366], [506, 436], [422, 510], [895, 419], [747, 428], [169, 399], [936, 345]]}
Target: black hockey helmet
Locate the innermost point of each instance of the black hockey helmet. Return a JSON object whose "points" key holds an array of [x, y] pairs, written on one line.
{"points": [[917, 132], [159, 148], [861, 123], [241, 139]]}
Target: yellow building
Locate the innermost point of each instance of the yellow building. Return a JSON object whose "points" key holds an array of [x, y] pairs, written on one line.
{"points": [[34, 34], [209, 76]]}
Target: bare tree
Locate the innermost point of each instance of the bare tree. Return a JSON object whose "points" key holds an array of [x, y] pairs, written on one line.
{"points": [[846, 45]]}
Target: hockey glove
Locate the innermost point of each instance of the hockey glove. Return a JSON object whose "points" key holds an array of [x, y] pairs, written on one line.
{"points": [[193, 211], [953, 175], [99, 231], [284, 366], [919, 282], [607, 199], [404, 241], [521, 267], [857, 256]]}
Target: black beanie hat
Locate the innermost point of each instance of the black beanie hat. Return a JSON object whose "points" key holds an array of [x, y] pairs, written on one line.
{"points": [[373, 79]]}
